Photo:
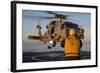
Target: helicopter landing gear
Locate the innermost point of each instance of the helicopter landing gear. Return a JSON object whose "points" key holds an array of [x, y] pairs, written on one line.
{"points": [[49, 47], [52, 44], [63, 44]]}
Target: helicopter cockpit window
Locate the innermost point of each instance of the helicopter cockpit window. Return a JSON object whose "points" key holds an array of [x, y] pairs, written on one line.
{"points": [[62, 26]]}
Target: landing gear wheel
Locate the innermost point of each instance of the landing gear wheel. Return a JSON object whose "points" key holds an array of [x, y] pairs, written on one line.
{"points": [[49, 47], [54, 44]]}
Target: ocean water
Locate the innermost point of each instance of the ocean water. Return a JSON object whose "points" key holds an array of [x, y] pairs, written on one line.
{"points": [[42, 47]]}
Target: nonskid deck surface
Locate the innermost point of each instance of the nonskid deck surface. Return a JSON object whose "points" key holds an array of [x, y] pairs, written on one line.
{"points": [[50, 56]]}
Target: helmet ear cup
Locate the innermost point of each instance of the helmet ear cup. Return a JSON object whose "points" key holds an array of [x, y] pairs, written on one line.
{"points": [[71, 32]]}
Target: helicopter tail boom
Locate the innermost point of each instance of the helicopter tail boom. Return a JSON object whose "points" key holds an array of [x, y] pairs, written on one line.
{"points": [[34, 37]]}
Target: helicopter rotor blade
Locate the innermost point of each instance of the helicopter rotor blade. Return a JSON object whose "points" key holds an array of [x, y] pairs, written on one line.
{"points": [[40, 17], [56, 14], [50, 12]]}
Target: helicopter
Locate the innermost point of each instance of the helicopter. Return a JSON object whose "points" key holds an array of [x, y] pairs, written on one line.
{"points": [[60, 30]]}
